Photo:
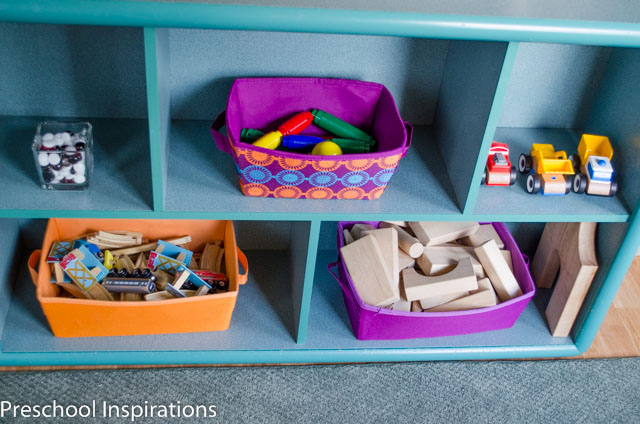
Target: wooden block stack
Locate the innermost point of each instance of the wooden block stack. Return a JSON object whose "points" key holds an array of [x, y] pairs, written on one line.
{"points": [[429, 266]]}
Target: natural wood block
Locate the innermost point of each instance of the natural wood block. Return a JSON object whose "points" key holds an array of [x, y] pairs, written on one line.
{"points": [[358, 230], [348, 238], [438, 260], [503, 280], [58, 272], [404, 260], [554, 183], [398, 223], [485, 233], [415, 306], [461, 278], [409, 244], [546, 261], [387, 239], [164, 295], [480, 299], [578, 267], [202, 290], [131, 297], [431, 302], [368, 270], [433, 233], [506, 254], [401, 305]]}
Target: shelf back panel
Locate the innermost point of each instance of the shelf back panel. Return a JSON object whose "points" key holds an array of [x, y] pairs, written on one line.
{"points": [[72, 70], [204, 64]]}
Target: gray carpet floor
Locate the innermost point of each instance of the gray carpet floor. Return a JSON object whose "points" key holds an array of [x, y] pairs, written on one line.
{"points": [[562, 391]]}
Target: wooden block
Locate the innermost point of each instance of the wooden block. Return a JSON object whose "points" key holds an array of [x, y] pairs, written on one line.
{"points": [[387, 239], [437, 260], [433, 233], [358, 230], [432, 302], [74, 290], [415, 306], [149, 246], [409, 244], [485, 233], [498, 271], [506, 254], [546, 261], [401, 305], [404, 260], [140, 262], [598, 188], [348, 238], [368, 270], [398, 223], [461, 278], [578, 267], [480, 299]]}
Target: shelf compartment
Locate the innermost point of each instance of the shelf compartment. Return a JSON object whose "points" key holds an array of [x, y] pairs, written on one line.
{"points": [[514, 203], [555, 94], [201, 178], [63, 72], [121, 178]]}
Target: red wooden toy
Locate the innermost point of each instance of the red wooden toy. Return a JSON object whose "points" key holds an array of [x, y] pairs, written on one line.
{"points": [[499, 171]]}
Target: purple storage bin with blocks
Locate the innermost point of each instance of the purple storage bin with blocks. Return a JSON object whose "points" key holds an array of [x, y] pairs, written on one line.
{"points": [[265, 103], [374, 323]]}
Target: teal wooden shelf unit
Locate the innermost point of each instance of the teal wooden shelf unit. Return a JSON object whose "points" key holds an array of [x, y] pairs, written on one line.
{"points": [[152, 75]]}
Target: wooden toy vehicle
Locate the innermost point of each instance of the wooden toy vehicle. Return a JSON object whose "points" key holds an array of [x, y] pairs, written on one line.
{"points": [[550, 172], [594, 162], [498, 171]]}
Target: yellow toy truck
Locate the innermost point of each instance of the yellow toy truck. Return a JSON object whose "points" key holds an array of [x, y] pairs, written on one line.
{"points": [[593, 161], [550, 172]]}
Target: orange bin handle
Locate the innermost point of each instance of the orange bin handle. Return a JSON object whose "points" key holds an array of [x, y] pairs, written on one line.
{"points": [[35, 257], [31, 263], [242, 258]]}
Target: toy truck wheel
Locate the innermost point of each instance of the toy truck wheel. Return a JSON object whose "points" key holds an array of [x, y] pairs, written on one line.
{"points": [[484, 176], [512, 176], [575, 161], [579, 183], [524, 163], [568, 183], [533, 183], [614, 188]]}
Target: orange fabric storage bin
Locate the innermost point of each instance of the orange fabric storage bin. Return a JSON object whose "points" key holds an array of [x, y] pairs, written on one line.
{"points": [[70, 317]]}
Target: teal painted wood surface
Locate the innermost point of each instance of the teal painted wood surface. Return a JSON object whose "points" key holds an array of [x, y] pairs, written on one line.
{"points": [[468, 88], [492, 122], [159, 108], [562, 29], [304, 249]]}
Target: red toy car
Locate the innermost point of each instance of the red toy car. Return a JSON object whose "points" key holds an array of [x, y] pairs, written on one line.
{"points": [[499, 171]]}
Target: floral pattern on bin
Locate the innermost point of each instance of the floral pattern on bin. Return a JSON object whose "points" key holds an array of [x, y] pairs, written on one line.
{"points": [[355, 179], [382, 178], [323, 179], [290, 178], [256, 174]]}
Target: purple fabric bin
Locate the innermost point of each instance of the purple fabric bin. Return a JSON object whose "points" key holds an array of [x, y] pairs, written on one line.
{"points": [[373, 323], [265, 103]]}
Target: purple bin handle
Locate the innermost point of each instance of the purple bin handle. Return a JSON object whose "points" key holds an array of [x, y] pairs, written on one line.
{"points": [[409, 128], [221, 141], [335, 276]]}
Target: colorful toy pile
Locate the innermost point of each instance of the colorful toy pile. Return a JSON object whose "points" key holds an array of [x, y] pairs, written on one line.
{"points": [[169, 271], [347, 138]]}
